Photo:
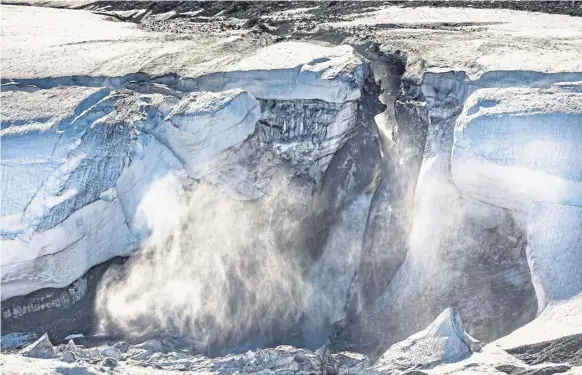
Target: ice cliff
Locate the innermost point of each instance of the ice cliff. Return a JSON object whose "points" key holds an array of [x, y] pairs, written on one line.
{"points": [[515, 146], [354, 184], [78, 169], [493, 158]]}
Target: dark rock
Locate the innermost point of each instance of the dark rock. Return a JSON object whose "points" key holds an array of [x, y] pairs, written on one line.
{"points": [[47, 299], [563, 350], [332, 9], [251, 22], [57, 319]]}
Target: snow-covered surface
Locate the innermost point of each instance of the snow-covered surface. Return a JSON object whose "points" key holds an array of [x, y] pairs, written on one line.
{"points": [[284, 360], [293, 70], [97, 167], [478, 40], [79, 43], [492, 359], [515, 146], [76, 42], [33, 107]]}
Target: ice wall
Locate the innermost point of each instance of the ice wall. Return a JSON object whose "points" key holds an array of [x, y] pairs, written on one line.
{"points": [[90, 173], [515, 146], [491, 155], [554, 254]]}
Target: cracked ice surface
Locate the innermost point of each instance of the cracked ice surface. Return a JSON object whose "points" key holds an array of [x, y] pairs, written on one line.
{"points": [[28, 143]]}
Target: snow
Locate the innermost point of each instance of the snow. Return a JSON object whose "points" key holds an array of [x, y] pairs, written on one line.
{"points": [[79, 43], [169, 356], [515, 146], [299, 70], [150, 191], [94, 167], [117, 175], [58, 256], [29, 134], [80, 205], [555, 251], [477, 41], [46, 107]]}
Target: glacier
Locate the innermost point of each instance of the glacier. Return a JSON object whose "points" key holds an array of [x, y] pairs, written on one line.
{"points": [[207, 180], [106, 150], [492, 155]]}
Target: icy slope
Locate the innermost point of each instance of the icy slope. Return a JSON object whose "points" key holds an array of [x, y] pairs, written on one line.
{"points": [[204, 124], [28, 115], [127, 124]]}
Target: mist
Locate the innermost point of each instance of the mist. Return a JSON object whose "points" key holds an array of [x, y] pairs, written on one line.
{"points": [[231, 275]]}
